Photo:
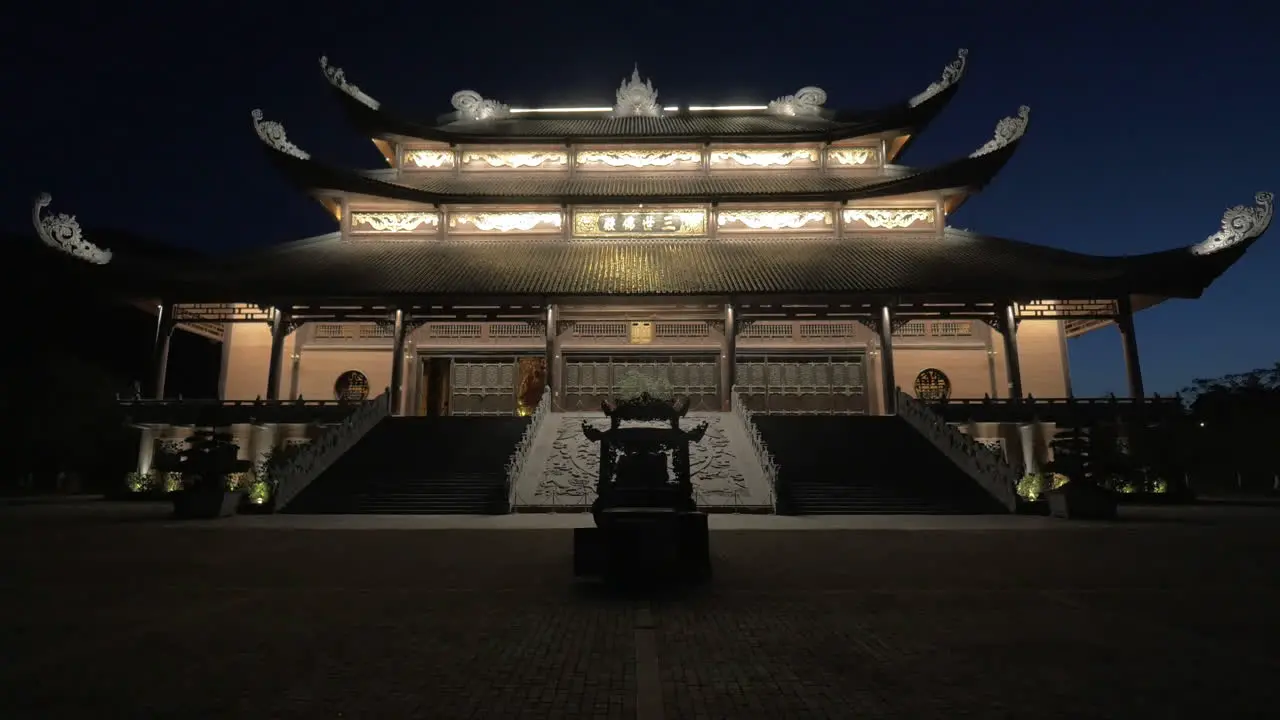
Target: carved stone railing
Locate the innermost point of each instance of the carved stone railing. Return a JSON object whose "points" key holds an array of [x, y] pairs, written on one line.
{"points": [[1056, 410], [316, 457], [768, 468], [515, 466], [222, 413], [988, 468]]}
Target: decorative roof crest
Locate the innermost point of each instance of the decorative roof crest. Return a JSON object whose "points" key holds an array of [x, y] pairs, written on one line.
{"points": [[62, 232], [636, 98], [1239, 224], [951, 75], [806, 102], [1008, 130], [272, 133], [338, 79], [471, 106]]}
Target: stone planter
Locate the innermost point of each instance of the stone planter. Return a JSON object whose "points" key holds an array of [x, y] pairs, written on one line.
{"points": [[1082, 501], [205, 505]]}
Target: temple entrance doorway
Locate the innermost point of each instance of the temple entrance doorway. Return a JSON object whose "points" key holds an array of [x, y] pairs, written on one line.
{"points": [[481, 384], [795, 384], [592, 378]]}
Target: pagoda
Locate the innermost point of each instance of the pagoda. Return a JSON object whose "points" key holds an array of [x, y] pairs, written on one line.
{"points": [[780, 252]]}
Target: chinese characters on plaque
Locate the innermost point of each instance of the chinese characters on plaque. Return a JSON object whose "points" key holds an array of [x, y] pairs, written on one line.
{"points": [[640, 223]]}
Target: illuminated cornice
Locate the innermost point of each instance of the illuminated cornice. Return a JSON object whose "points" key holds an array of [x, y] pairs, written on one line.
{"points": [[62, 232], [765, 158], [338, 79], [471, 106], [951, 75], [506, 159], [1239, 224], [272, 133], [637, 158], [1008, 131], [889, 218], [636, 98], [506, 221], [850, 155], [401, 222], [429, 158], [773, 219], [807, 102]]}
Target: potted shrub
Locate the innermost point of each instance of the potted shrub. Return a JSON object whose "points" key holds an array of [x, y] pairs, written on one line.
{"points": [[1080, 497], [210, 457]]}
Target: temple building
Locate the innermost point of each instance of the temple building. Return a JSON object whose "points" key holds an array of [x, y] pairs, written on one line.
{"points": [[781, 257]]}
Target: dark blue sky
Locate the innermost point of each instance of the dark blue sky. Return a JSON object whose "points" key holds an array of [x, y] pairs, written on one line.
{"points": [[1148, 119]]}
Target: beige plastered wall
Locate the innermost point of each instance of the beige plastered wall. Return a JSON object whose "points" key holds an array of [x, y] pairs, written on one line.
{"points": [[248, 353], [978, 371]]}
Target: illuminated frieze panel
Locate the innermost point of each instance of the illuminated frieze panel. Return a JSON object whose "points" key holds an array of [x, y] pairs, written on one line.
{"points": [[504, 222], [851, 157], [769, 158], [821, 220], [537, 160], [429, 159], [640, 223], [666, 159], [364, 223], [888, 218]]}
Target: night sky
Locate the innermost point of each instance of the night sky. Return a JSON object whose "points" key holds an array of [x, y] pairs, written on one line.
{"points": [[1148, 119]]}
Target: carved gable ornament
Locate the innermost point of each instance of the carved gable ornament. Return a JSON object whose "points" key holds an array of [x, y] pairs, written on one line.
{"points": [[338, 79], [951, 75], [636, 98], [1008, 131], [807, 102], [62, 232], [1239, 224], [272, 133], [472, 106]]}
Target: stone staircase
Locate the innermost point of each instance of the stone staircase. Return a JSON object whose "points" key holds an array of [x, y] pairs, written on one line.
{"points": [[428, 466], [562, 466], [850, 465]]}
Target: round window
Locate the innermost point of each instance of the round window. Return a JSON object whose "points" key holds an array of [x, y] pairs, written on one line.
{"points": [[351, 386], [933, 385]]}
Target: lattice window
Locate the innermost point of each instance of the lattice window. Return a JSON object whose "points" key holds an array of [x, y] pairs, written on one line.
{"points": [[331, 331], [600, 329], [507, 331], [682, 330], [951, 328], [454, 331], [826, 330], [767, 330], [351, 386], [914, 328], [373, 331]]}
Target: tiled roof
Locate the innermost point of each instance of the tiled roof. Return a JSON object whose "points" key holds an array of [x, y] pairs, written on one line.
{"points": [[668, 126], [897, 263]]}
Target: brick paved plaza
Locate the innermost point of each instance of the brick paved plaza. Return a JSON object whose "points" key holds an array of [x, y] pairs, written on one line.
{"points": [[120, 614]]}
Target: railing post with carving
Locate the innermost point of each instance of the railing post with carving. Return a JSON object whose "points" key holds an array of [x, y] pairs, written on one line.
{"points": [[515, 465], [768, 468]]}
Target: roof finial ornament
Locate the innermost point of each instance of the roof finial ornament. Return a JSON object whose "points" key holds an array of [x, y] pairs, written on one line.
{"points": [[272, 133], [62, 232], [471, 106], [806, 102], [1239, 224], [1008, 131], [636, 98], [338, 79], [951, 75]]}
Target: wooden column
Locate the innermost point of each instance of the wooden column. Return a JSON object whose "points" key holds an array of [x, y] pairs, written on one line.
{"points": [[885, 324], [728, 357], [1009, 328], [397, 363], [279, 331], [552, 383], [1132, 366], [160, 350]]}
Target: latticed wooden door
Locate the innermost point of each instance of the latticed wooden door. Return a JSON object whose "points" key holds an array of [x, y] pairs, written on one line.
{"points": [[803, 385], [588, 380], [483, 387]]}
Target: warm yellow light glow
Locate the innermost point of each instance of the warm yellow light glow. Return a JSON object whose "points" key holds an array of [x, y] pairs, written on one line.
{"points": [[506, 221], [516, 159], [402, 222], [889, 218], [703, 108], [429, 158], [632, 222], [850, 156], [638, 158], [515, 111], [765, 158], [773, 219]]}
